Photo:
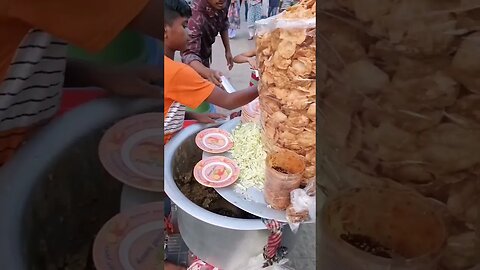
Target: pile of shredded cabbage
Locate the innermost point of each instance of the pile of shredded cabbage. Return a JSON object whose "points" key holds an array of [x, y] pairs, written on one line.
{"points": [[250, 156]]}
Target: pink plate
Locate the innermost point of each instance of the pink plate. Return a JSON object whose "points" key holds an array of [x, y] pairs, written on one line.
{"points": [[216, 172], [253, 108], [214, 140], [132, 151], [131, 240]]}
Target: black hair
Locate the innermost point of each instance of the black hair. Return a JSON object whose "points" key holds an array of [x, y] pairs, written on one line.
{"points": [[175, 9]]}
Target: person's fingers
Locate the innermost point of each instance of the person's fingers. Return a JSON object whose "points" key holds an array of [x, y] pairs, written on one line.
{"points": [[217, 116], [218, 74], [216, 81], [209, 120]]}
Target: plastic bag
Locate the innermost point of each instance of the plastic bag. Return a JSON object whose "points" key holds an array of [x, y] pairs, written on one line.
{"points": [[283, 174], [399, 91], [301, 209], [287, 89], [257, 263]]}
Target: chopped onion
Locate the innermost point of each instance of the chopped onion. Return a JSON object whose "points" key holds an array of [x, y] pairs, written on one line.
{"points": [[250, 156]]}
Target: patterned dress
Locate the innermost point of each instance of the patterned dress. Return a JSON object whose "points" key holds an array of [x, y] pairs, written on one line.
{"points": [[254, 14], [234, 18]]}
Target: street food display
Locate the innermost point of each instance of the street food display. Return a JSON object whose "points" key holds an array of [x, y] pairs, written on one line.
{"points": [[399, 91], [286, 58]]}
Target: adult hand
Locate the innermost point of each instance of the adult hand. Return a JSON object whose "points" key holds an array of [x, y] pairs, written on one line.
{"points": [[229, 58], [208, 118]]}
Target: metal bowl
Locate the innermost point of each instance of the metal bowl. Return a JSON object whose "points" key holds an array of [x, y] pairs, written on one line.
{"points": [[225, 242], [53, 193]]}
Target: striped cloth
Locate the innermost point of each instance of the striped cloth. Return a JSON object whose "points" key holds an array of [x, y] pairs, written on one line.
{"points": [[30, 93]]}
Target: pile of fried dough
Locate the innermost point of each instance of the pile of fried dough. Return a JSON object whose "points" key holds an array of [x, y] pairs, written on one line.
{"points": [[286, 55], [399, 87]]}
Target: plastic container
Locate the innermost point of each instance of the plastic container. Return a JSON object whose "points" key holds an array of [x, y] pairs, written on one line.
{"points": [[407, 230], [283, 173]]}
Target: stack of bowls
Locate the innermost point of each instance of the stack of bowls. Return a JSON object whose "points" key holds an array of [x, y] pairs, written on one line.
{"points": [[251, 112]]}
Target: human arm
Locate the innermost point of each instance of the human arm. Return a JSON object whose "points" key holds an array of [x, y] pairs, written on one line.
{"points": [[246, 57], [207, 73], [191, 56], [196, 90], [135, 82], [231, 101], [206, 118], [226, 45]]}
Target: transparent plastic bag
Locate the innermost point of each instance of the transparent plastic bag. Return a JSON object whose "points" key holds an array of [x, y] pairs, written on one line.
{"points": [[301, 209], [257, 263], [399, 91], [287, 89]]}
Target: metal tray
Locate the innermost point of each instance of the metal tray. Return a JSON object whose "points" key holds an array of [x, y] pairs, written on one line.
{"points": [[250, 200]]}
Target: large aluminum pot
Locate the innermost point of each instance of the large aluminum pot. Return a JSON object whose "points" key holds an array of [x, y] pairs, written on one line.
{"points": [[55, 195], [225, 242]]}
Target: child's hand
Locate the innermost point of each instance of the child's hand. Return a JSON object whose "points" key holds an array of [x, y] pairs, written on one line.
{"points": [[207, 118], [213, 76]]}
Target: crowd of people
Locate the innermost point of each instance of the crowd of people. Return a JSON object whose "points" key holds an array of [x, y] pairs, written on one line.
{"points": [[254, 11]]}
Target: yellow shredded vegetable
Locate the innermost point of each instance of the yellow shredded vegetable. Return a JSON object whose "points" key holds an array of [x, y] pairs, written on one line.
{"points": [[250, 156]]}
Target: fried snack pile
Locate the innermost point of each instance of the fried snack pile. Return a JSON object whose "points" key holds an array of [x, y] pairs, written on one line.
{"points": [[287, 64], [399, 86]]}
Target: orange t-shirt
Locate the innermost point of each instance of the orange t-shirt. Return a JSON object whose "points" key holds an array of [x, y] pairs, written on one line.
{"points": [[183, 86], [33, 50]]}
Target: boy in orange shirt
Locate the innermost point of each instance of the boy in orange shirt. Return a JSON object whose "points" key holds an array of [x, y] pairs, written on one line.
{"points": [[184, 86]]}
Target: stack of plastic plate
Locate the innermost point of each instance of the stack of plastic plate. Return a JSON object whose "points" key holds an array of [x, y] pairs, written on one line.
{"points": [[251, 112]]}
